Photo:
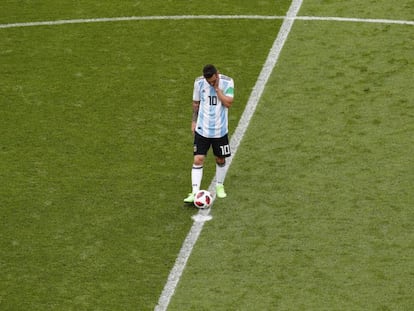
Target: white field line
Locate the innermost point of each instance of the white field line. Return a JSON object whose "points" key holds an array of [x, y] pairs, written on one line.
{"points": [[204, 215], [355, 20], [181, 17]]}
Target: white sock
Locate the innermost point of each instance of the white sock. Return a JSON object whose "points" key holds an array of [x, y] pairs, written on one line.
{"points": [[220, 173], [196, 177]]}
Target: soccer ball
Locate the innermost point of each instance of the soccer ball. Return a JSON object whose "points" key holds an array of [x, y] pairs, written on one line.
{"points": [[203, 199]]}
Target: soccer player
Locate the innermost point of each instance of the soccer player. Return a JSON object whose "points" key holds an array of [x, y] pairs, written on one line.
{"points": [[212, 97]]}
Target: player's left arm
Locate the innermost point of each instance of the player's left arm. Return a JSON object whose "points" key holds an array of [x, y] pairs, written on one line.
{"points": [[225, 99], [227, 96]]}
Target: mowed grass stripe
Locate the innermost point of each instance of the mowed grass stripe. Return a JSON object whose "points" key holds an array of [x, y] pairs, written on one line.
{"points": [[320, 212], [203, 215], [93, 114]]}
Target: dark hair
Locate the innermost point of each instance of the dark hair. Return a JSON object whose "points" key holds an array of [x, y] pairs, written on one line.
{"points": [[209, 71]]}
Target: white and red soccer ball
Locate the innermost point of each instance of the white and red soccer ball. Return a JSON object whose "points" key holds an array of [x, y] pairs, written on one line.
{"points": [[203, 199]]}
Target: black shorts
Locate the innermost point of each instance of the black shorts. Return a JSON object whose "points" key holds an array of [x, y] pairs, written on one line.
{"points": [[221, 146]]}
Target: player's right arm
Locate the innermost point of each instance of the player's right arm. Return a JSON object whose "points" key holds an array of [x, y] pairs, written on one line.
{"points": [[196, 102], [196, 107]]}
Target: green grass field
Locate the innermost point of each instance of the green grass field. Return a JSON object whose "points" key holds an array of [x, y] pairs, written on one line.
{"points": [[95, 159]]}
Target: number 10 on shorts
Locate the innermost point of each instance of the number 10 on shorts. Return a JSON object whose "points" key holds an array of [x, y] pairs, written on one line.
{"points": [[225, 150]]}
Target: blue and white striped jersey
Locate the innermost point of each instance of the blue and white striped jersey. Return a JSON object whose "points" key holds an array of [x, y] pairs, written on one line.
{"points": [[212, 121]]}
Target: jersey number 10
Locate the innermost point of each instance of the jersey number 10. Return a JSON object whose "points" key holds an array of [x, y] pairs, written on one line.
{"points": [[213, 100]]}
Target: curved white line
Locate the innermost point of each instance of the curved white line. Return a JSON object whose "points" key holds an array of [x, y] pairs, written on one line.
{"points": [[135, 18], [182, 17]]}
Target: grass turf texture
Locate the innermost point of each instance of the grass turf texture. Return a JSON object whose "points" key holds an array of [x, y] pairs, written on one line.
{"points": [[14, 11], [87, 139], [319, 214], [96, 154], [378, 9]]}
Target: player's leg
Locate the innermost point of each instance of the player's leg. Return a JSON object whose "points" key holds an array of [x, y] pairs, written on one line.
{"points": [[197, 172], [220, 173], [221, 149], [201, 146]]}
